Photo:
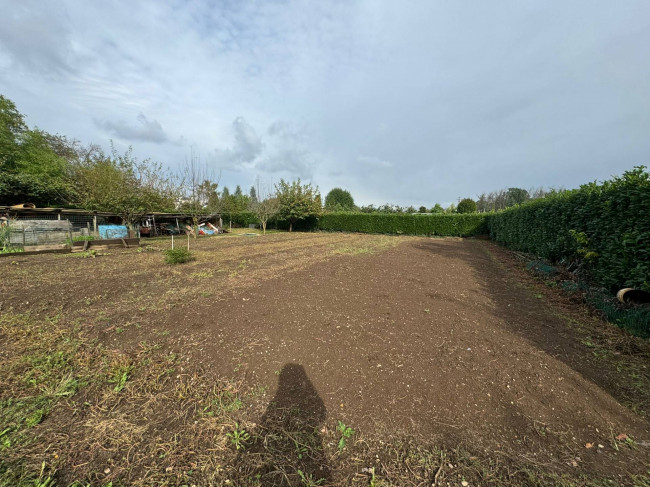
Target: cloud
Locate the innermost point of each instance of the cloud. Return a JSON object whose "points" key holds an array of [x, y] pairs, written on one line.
{"points": [[37, 37], [290, 151], [246, 148], [460, 100], [375, 162], [146, 131]]}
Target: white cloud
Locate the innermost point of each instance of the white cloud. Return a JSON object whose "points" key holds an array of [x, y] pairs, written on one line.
{"points": [[461, 100], [146, 130]]}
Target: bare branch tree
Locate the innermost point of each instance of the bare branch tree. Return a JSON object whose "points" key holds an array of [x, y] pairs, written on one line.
{"points": [[266, 204], [199, 189]]}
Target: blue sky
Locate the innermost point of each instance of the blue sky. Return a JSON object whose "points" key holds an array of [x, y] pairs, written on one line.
{"points": [[412, 102]]}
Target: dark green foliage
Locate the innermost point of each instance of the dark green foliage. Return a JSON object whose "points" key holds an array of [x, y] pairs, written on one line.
{"points": [[466, 205], [33, 163], [605, 227], [339, 200], [242, 219], [178, 256], [402, 223], [516, 196], [634, 319]]}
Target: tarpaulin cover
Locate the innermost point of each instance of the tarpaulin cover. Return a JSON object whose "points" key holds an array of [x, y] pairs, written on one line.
{"points": [[113, 231]]}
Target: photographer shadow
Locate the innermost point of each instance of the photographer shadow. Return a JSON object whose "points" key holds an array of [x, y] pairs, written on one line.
{"points": [[286, 448]]}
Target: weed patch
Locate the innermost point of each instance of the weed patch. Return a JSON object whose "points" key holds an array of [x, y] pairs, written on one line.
{"points": [[178, 256]]}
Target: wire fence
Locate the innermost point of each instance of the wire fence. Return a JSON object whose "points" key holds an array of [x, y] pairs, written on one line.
{"points": [[29, 233]]}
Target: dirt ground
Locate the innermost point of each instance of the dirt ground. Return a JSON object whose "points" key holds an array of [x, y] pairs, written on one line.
{"points": [[444, 341]]}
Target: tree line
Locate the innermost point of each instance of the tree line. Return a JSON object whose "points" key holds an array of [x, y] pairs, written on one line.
{"points": [[55, 171]]}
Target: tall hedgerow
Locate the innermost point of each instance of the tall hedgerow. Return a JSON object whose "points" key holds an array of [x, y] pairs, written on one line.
{"points": [[405, 223], [605, 227]]}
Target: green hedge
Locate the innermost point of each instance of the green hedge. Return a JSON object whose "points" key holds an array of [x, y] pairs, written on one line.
{"points": [[605, 226], [405, 223], [240, 218]]}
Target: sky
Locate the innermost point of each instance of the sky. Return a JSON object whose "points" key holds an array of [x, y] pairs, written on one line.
{"points": [[410, 102]]}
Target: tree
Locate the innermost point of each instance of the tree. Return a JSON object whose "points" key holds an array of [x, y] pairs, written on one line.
{"points": [[12, 127], [466, 205], [265, 207], [437, 208], [297, 201], [199, 190], [516, 196], [34, 165], [122, 184], [422, 209], [339, 200], [253, 195]]}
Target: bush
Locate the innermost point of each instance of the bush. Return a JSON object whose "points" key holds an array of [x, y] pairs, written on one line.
{"points": [[240, 219], [178, 256], [605, 227], [407, 224], [466, 205]]}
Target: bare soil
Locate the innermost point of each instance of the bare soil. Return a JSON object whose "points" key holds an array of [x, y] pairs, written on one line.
{"points": [[445, 341]]}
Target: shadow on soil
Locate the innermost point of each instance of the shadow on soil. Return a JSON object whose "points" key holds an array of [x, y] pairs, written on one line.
{"points": [[530, 318], [286, 447]]}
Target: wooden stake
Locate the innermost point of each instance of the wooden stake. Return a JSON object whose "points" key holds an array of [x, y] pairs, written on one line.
{"points": [[188, 242]]}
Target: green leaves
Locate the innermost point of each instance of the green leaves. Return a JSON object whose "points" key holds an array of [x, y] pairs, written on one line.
{"points": [[461, 225], [297, 201], [606, 226], [346, 433]]}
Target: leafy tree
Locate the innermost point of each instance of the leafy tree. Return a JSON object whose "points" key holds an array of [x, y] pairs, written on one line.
{"points": [[437, 208], [238, 193], [34, 165], [253, 194], [422, 209], [297, 201], [339, 200], [451, 209], [12, 127], [466, 205], [122, 184], [516, 196]]}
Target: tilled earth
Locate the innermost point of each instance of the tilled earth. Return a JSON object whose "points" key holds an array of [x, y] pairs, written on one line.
{"points": [[430, 338]]}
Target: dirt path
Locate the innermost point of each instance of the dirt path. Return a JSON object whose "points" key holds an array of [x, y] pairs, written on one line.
{"points": [[430, 338]]}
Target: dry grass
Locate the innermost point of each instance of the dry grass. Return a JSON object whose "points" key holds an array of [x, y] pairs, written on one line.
{"points": [[71, 418]]}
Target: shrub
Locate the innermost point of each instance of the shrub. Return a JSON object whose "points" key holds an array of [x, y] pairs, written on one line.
{"points": [[605, 227], [407, 224], [466, 205], [178, 256], [240, 218]]}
